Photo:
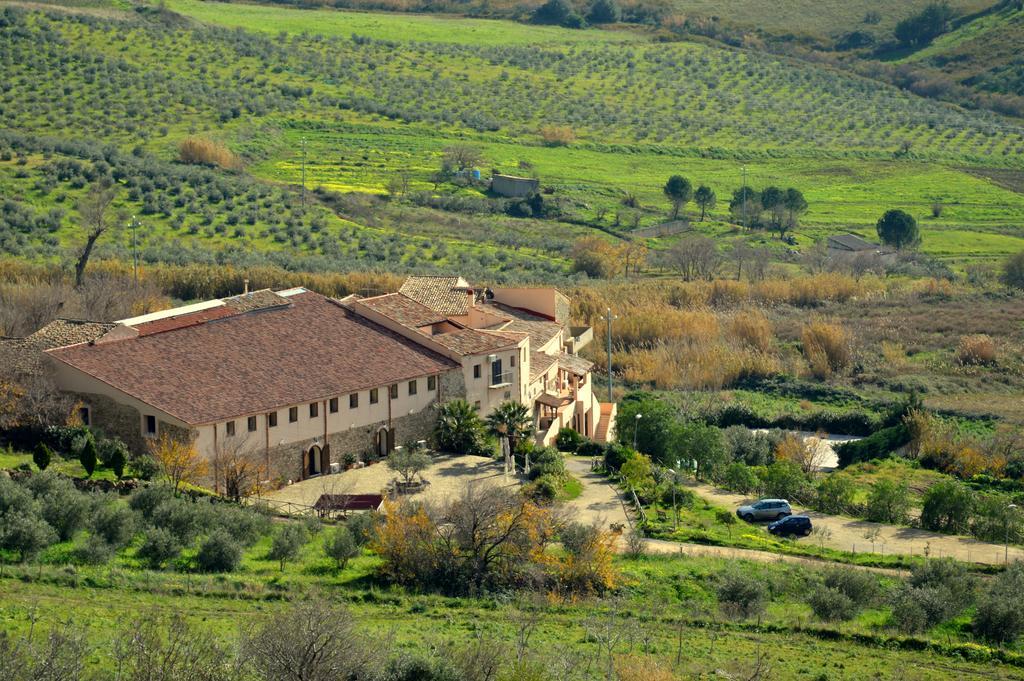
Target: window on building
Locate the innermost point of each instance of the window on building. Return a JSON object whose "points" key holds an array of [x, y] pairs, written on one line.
{"points": [[476, 371], [272, 419], [85, 415], [333, 405], [374, 396], [252, 424], [353, 400], [150, 424], [476, 405], [413, 387], [512, 361], [393, 391], [496, 377], [314, 409], [229, 428], [431, 382], [293, 414]]}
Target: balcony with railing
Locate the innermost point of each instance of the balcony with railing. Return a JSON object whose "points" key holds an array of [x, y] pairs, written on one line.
{"points": [[501, 379]]}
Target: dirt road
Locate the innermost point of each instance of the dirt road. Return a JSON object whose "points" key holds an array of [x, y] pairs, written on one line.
{"points": [[848, 534]]}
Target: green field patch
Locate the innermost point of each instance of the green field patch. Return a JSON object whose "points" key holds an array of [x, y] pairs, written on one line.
{"points": [[388, 26]]}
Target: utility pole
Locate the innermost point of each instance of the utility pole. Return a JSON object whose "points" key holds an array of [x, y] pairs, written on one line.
{"points": [[303, 172], [135, 252], [609, 317]]}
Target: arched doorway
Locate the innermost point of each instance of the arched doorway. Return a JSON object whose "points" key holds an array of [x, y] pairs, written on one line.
{"points": [[385, 441], [311, 463]]}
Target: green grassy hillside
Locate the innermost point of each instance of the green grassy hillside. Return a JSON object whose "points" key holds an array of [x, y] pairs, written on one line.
{"points": [[984, 53], [372, 97]]}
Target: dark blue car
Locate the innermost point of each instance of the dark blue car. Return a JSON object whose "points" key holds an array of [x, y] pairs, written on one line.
{"points": [[791, 526]]}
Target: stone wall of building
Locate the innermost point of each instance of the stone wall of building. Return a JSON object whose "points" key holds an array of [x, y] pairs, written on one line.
{"points": [[114, 419], [286, 462]]}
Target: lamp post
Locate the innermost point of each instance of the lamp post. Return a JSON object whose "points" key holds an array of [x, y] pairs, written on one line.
{"points": [[1006, 544], [636, 427]]}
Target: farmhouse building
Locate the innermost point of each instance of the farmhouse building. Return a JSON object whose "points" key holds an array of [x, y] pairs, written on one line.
{"points": [[844, 246], [310, 383], [514, 187]]}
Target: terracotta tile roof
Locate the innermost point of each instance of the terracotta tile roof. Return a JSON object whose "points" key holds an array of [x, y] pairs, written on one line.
{"points": [[249, 363], [540, 362], [25, 355], [61, 332], [255, 300], [473, 341], [182, 321], [574, 364], [446, 295], [403, 309]]}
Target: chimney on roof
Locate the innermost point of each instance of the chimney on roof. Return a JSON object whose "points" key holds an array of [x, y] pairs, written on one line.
{"points": [[245, 286], [472, 297]]}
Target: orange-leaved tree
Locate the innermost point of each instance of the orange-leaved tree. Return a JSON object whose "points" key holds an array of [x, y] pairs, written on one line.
{"points": [[178, 459]]}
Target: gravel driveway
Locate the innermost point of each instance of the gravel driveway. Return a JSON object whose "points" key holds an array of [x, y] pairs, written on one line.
{"points": [[847, 534]]}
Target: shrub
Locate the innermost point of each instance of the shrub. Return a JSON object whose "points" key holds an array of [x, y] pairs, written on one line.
{"points": [[245, 525], [287, 543], [203, 151], [978, 349], [546, 461], [341, 546], [999, 617], [87, 456], [947, 507], [148, 498], [739, 477], [94, 550], [591, 449], [835, 494], [568, 440], [42, 455], [785, 480], [557, 135], [826, 347], [1013, 271], [543, 490], [184, 519], [881, 444], [831, 605], [25, 534], [615, 455], [363, 527], [859, 586], [888, 502], [63, 507], [114, 523], [219, 553], [158, 547], [741, 595]]}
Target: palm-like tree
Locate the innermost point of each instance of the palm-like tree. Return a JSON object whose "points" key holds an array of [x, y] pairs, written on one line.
{"points": [[459, 429], [511, 422]]}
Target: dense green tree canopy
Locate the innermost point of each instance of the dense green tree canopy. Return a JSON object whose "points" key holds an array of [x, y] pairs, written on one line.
{"points": [[898, 228]]}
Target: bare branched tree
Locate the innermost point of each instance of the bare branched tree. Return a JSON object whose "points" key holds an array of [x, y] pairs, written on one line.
{"points": [[59, 656], [313, 641], [240, 466], [93, 211], [152, 649]]}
